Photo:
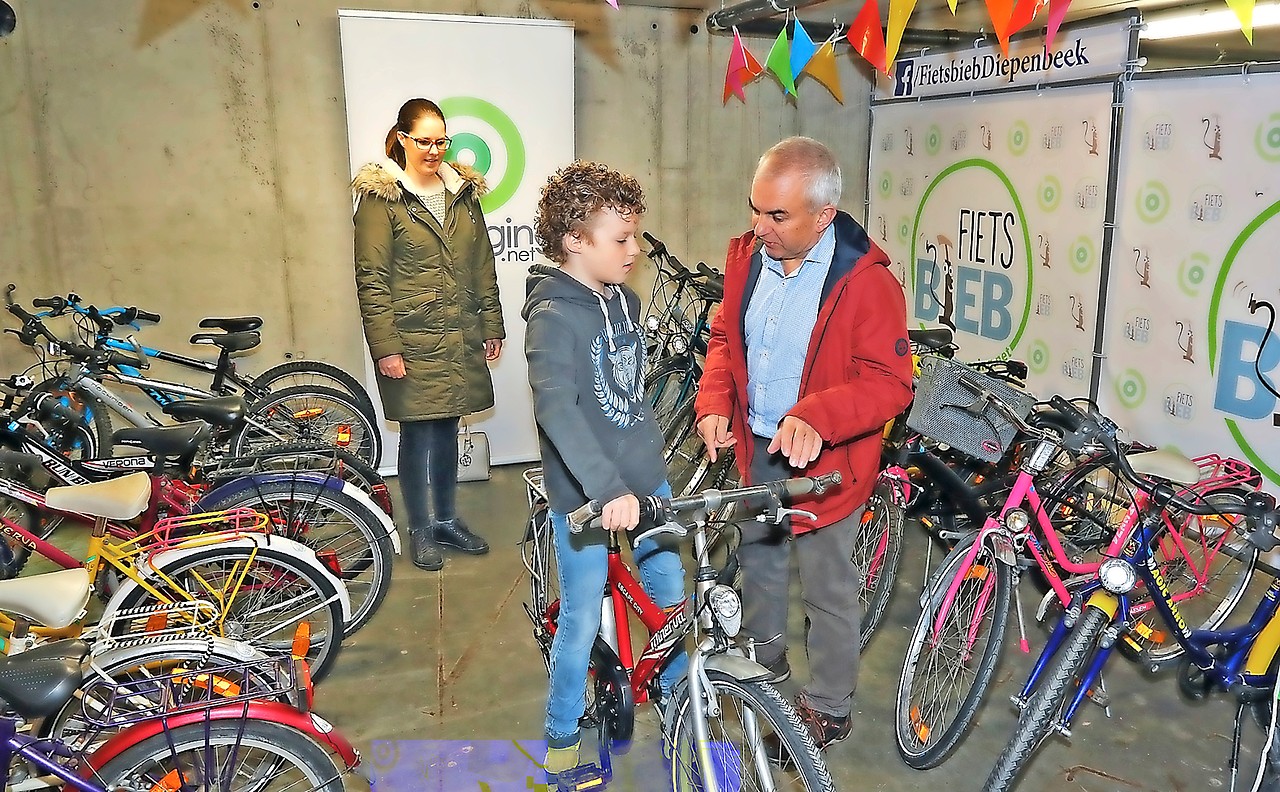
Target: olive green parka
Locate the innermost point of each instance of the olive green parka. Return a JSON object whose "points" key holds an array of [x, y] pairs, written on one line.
{"points": [[427, 292]]}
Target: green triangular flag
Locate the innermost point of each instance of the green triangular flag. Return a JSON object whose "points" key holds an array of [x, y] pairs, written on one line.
{"points": [[779, 62]]}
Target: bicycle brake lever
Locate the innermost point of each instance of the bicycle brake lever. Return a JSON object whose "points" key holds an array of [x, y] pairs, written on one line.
{"points": [[776, 516], [671, 527]]}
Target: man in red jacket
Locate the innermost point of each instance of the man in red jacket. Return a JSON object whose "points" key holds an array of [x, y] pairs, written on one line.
{"points": [[808, 360]]}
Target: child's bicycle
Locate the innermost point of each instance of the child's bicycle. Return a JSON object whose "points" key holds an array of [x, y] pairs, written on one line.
{"points": [[725, 727]]}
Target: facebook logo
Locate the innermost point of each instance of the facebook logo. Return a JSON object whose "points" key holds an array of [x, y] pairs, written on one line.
{"points": [[904, 77]]}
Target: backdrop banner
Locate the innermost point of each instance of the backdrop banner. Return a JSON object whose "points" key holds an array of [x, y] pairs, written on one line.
{"points": [[1191, 358], [506, 88], [992, 212]]}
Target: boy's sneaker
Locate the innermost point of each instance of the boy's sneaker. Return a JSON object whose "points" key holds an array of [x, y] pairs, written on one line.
{"points": [[561, 759], [824, 728]]}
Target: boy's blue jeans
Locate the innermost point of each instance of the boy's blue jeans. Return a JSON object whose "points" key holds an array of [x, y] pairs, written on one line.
{"points": [[583, 563]]}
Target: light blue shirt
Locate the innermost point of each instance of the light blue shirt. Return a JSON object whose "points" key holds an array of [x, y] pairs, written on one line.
{"points": [[778, 324]]}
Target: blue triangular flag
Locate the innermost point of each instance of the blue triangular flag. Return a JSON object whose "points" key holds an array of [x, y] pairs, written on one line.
{"points": [[802, 50]]}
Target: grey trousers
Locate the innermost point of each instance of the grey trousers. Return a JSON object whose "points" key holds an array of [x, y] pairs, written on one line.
{"points": [[829, 585]]}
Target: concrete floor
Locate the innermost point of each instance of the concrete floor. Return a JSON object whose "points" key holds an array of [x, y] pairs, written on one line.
{"points": [[444, 690]]}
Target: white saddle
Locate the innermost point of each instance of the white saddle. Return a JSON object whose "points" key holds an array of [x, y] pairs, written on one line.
{"points": [[1164, 464], [116, 499], [54, 599]]}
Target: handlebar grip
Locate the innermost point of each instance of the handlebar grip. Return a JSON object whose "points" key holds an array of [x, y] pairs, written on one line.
{"points": [[48, 406], [706, 271], [579, 517], [1071, 415], [57, 304], [806, 484], [115, 358], [147, 316]]}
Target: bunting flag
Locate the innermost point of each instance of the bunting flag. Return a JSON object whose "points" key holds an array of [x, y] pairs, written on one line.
{"points": [[867, 38], [1244, 12], [899, 13], [743, 68], [1023, 13], [1057, 12], [802, 50], [952, 5], [822, 67], [779, 62], [1000, 12], [613, 3]]}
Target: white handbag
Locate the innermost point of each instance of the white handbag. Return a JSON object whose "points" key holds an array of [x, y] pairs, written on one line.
{"points": [[473, 454]]}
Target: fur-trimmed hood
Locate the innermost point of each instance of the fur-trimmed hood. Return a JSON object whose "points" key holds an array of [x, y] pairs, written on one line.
{"points": [[384, 179]]}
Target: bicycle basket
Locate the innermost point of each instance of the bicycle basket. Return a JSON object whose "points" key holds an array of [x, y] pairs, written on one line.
{"points": [[941, 411]]}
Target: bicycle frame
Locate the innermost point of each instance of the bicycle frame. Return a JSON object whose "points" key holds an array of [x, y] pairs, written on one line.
{"points": [[13, 744]]}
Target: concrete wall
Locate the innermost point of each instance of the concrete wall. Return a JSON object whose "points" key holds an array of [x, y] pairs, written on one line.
{"points": [[189, 156]]}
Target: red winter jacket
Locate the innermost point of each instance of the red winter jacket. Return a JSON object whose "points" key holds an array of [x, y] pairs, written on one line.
{"points": [[857, 372]]}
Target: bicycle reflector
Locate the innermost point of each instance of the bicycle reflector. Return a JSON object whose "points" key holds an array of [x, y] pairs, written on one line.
{"points": [[311, 412], [301, 640], [344, 436]]}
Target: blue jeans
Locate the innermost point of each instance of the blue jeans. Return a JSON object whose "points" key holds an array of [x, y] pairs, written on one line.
{"points": [[429, 461], [583, 564]]}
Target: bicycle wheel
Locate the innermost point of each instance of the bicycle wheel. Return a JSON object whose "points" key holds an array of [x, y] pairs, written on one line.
{"points": [[1208, 563], [1061, 677], [539, 555], [345, 536], [672, 382], [944, 679], [228, 756], [876, 551], [688, 464], [263, 595], [14, 555], [88, 438], [317, 415], [754, 722], [311, 373], [137, 663], [310, 457]]}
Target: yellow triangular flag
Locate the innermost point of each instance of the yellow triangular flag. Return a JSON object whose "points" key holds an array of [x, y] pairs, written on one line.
{"points": [[822, 67], [1244, 12], [952, 4], [899, 13]]}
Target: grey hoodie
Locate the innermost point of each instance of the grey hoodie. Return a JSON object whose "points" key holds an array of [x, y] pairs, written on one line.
{"points": [[586, 367]]}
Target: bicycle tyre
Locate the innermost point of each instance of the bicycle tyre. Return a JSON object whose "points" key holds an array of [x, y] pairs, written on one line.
{"points": [[14, 555], [688, 464], [295, 373], [1042, 710], [309, 458], [773, 715], [309, 415], [667, 388], [95, 420], [356, 542], [877, 551], [539, 555], [232, 746], [133, 663], [923, 741], [314, 593]]}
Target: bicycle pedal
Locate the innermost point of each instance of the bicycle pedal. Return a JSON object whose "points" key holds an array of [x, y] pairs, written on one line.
{"points": [[582, 778], [1100, 697]]}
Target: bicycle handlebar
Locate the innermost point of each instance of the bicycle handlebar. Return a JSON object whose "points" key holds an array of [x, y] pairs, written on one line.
{"points": [[654, 508]]}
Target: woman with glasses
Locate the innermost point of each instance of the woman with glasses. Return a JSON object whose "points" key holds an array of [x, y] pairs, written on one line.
{"points": [[428, 292]]}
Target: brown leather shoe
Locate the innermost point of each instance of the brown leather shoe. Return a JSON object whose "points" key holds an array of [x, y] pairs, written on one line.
{"points": [[824, 728]]}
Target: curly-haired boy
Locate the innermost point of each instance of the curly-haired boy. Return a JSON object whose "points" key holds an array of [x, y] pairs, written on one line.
{"points": [[596, 431]]}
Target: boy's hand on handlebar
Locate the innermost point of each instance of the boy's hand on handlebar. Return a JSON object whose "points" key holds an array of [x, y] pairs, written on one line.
{"points": [[621, 513], [391, 366], [798, 441], [715, 434]]}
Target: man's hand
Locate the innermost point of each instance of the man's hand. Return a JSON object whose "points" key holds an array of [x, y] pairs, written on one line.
{"points": [[492, 348], [798, 441], [715, 434], [391, 366], [621, 513]]}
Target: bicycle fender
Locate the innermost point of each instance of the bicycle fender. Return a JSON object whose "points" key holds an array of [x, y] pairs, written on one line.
{"points": [[236, 486], [740, 668], [147, 567], [363, 497], [310, 724]]}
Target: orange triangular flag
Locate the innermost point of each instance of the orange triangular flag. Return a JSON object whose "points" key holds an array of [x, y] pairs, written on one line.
{"points": [[1000, 11], [1023, 13], [822, 67], [1244, 12], [743, 68], [899, 13], [867, 37]]}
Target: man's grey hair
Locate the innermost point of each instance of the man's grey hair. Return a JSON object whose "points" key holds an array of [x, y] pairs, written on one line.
{"points": [[813, 160]]}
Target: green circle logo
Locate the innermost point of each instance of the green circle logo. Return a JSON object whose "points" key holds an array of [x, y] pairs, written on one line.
{"points": [[1267, 139], [486, 137], [1019, 138], [904, 229], [1192, 272], [933, 141], [1083, 255], [1153, 202], [1038, 357], [886, 184], [1131, 388], [1050, 193]]}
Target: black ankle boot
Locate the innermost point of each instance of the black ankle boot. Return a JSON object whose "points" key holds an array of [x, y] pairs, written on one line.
{"points": [[455, 534], [423, 551]]}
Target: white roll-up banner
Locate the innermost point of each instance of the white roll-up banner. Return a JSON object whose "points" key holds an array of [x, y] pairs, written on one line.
{"points": [[506, 88]]}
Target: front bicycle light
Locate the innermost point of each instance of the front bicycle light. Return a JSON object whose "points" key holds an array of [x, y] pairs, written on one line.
{"points": [[1117, 576], [726, 608]]}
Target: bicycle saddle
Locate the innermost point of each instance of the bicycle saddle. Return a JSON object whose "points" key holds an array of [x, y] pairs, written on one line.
{"points": [[229, 342], [232, 324], [225, 411], [53, 599], [933, 338], [1165, 464], [39, 682], [183, 440], [116, 499]]}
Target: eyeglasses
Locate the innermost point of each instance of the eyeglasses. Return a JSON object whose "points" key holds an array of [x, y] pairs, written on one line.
{"points": [[426, 144]]}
